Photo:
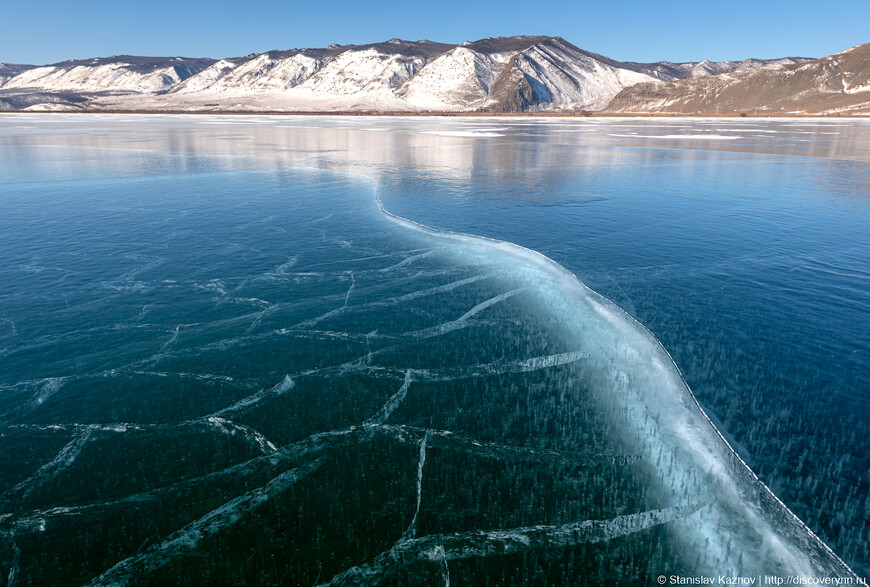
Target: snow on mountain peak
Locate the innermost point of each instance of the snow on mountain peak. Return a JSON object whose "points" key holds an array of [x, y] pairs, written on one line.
{"points": [[495, 73]]}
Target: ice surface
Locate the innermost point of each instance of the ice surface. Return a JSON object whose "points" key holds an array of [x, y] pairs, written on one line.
{"points": [[711, 137], [464, 133], [325, 392]]}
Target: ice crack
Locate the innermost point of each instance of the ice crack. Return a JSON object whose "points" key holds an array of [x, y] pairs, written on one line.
{"points": [[462, 321], [407, 261], [503, 367], [483, 543], [397, 398], [436, 290], [251, 435], [412, 527], [187, 539], [16, 554], [61, 461], [281, 388]]}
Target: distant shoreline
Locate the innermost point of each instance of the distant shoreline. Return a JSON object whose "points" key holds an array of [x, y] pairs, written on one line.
{"points": [[582, 114]]}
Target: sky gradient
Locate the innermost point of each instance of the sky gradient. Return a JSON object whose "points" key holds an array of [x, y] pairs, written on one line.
{"points": [[53, 31]]}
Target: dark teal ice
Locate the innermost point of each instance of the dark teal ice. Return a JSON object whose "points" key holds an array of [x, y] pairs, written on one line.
{"points": [[229, 354]]}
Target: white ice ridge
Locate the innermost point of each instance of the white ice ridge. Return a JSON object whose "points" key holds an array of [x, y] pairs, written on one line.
{"points": [[642, 385], [187, 539], [481, 543]]}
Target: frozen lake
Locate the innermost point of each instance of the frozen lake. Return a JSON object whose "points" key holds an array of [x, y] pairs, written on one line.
{"points": [[354, 350]]}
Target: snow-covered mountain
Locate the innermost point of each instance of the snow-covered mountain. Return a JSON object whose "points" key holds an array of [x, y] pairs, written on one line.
{"points": [[504, 74], [517, 74], [837, 84], [10, 70], [334, 70], [668, 72], [121, 73]]}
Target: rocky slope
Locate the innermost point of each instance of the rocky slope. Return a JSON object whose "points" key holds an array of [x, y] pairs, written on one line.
{"points": [[837, 84]]}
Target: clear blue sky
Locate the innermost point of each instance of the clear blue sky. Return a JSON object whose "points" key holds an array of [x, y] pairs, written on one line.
{"points": [[47, 32]]}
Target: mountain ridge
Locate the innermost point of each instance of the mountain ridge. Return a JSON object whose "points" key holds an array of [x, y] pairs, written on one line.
{"points": [[496, 74], [831, 85]]}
